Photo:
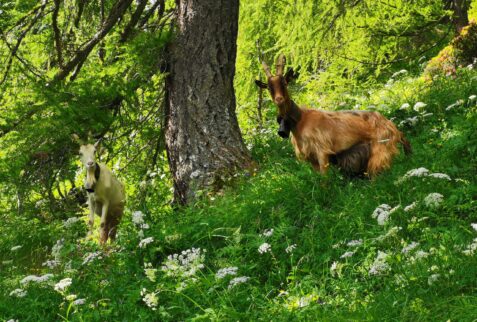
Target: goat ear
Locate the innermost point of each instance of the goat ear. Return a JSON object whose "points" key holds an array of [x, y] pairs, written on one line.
{"points": [[76, 138], [101, 150], [291, 75], [260, 84]]}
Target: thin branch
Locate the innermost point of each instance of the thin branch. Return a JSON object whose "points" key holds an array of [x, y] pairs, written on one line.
{"points": [[134, 20], [116, 13], [57, 32], [13, 51], [150, 12], [81, 5]]}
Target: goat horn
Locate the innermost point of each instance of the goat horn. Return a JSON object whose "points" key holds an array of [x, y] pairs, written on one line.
{"points": [[266, 69], [280, 64]]}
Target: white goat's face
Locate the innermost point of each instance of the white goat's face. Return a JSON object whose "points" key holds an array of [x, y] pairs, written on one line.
{"points": [[87, 154]]}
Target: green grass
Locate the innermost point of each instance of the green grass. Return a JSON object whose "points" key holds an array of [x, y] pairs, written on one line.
{"points": [[319, 215]]}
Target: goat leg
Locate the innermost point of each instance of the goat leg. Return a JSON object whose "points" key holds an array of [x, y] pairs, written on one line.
{"points": [[103, 230], [91, 205]]}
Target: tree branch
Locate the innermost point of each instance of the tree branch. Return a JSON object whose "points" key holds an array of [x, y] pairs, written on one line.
{"points": [[134, 20], [116, 13], [13, 51], [57, 33]]}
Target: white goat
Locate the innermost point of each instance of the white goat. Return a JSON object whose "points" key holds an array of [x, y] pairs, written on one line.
{"points": [[106, 195]]}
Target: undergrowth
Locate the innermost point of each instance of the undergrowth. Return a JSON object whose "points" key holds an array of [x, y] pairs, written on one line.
{"points": [[284, 243]]}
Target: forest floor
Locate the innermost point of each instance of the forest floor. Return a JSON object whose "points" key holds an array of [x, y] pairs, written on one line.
{"points": [[284, 243]]}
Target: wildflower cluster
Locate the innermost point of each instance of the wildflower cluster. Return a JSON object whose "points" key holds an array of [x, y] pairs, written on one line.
{"points": [[433, 200], [88, 258], [267, 233], [150, 299], [68, 223], [150, 272], [423, 172], [221, 273], [146, 241], [264, 248], [36, 279], [382, 213], [238, 280], [138, 221], [185, 264], [63, 284], [409, 248], [379, 265]]}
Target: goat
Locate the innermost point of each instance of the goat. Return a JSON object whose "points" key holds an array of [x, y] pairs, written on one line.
{"points": [[356, 141], [106, 196]]}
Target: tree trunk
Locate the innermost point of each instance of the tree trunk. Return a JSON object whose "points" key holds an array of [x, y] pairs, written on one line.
{"points": [[460, 9], [203, 139]]}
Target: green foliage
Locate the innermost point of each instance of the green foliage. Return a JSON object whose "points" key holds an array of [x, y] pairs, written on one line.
{"points": [[418, 265], [329, 259]]}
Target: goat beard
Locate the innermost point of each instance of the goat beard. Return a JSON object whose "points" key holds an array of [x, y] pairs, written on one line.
{"points": [[90, 178], [352, 161]]}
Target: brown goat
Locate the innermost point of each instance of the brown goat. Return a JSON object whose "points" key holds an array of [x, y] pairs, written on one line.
{"points": [[357, 141]]}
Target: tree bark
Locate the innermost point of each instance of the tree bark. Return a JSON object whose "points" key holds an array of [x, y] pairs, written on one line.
{"points": [[460, 9], [203, 139]]}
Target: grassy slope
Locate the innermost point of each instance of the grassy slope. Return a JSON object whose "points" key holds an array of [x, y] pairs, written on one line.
{"points": [[319, 215]]}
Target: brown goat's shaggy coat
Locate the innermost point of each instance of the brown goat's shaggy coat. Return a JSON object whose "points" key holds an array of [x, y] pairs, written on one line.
{"points": [[357, 141]]}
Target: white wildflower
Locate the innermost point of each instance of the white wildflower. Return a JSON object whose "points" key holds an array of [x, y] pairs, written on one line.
{"points": [[409, 248], [267, 233], [472, 98], [420, 254], [391, 233], [470, 250], [18, 292], [88, 258], [79, 302], [70, 222], [433, 200], [410, 207], [221, 273], [51, 263], [264, 248], [290, 249], [150, 299], [304, 301], [334, 268], [474, 226], [238, 280], [150, 272], [185, 264], [433, 278], [35, 279], [56, 249], [411, 121], [63, 284], [355, 243], [382, 213], [405, 106], [138, 217], [419, 106], [440, 176], [15, 248], [71, 297], [379, 265], [419, 172], [347, 254], [146, 241]]}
